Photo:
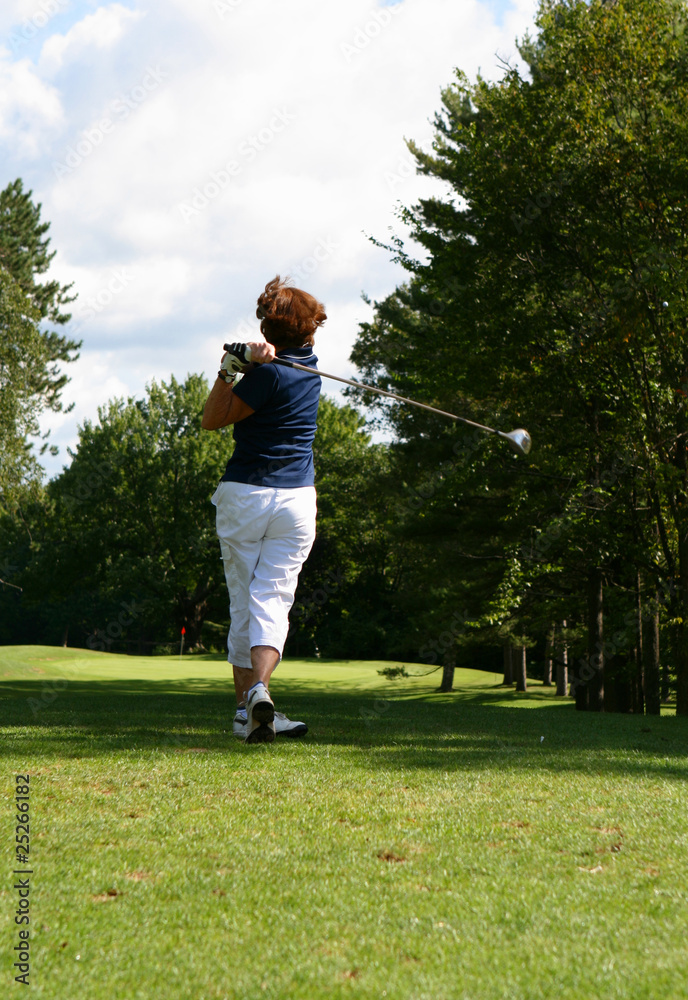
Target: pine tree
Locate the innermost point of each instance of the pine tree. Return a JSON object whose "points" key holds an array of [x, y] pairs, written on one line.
{"points": [[25, 254], [30, 351], [20, 355]]}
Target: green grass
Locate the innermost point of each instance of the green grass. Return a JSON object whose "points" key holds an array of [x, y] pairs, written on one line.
{"points": [[415, 846]]}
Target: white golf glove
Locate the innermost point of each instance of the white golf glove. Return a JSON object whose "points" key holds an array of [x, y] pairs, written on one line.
{"points": [[236, 360]]}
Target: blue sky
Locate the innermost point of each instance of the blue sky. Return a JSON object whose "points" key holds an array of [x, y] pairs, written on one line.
{"points": [[186, 151]]}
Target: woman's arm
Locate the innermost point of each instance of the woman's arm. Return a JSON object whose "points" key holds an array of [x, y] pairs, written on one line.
{"points": [[223, 407]]}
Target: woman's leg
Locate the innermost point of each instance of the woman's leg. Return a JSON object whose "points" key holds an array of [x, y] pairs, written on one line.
{"points": [[242, 516], [264, 659], [288, 541], [266, 536]]}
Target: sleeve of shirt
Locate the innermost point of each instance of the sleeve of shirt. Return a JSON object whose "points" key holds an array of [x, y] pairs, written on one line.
{"points": [[257, 386]]}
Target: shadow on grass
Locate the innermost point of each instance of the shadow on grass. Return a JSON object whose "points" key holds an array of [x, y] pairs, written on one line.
{"points": [[392, 730]]}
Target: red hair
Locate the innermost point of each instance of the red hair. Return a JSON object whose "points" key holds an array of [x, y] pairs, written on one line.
{"points": [[288, 316]]}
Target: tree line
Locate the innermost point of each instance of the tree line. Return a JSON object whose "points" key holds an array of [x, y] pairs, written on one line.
{"points": [[549, 286], [546, 289]]}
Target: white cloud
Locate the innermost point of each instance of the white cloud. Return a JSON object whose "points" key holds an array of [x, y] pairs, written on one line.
{"points": [[311, 102], [15, 12], [116, 299], [101, 30], [29, 108], [25, 20]]}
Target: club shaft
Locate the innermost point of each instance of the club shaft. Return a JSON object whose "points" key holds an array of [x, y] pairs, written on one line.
{"points": [[384, 392]]}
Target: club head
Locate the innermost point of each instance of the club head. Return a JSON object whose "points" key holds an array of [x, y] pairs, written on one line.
{"points": [[519, 440]]}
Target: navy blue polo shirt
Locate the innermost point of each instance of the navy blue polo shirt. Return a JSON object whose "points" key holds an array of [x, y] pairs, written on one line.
{"points": [[274, 446]]}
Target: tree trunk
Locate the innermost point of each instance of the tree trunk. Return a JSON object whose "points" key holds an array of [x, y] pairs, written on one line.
{"points": [[610, 687], [652, 678], [639, 686], [579, 685], [580, 673], [595, 664], [562, 668], [549, 653], [520, 657], [192, 610], [682, 630], [508, 665], [618, 685], [665, 681], [448, 669]]}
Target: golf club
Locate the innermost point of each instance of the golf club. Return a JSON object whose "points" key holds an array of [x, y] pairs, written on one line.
{"points": [[519, 439]]}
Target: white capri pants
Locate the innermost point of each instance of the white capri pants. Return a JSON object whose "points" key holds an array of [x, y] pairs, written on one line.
{"points": [[265, 535]]}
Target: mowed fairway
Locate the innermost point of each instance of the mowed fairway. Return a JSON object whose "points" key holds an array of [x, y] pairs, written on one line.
{"points": [[415, 846]]}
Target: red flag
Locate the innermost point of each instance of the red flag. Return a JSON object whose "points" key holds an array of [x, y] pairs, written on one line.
{"points": [[183, 630]]}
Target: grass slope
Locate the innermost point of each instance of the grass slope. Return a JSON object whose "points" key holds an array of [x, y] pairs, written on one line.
{"points": [[414, 845]]}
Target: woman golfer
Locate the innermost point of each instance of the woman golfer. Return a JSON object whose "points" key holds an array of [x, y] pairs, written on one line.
{"points": [[266, 501]]}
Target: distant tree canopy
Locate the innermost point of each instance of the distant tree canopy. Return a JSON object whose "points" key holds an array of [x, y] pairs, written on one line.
{"points": [[129, 524], [553, 293], [120, 552]]}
